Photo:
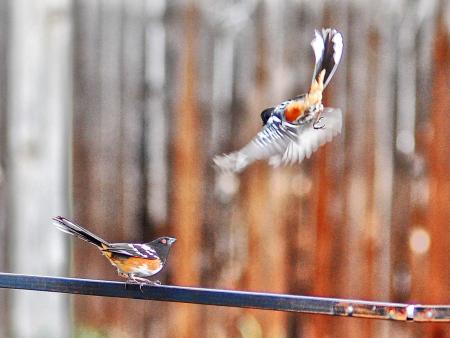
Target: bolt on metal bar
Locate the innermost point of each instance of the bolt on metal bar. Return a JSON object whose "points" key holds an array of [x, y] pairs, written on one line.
{"points": [[256, 300]]}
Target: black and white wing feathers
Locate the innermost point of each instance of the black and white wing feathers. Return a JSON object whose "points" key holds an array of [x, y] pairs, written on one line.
{"points": [[310, 139], [133, 250]]}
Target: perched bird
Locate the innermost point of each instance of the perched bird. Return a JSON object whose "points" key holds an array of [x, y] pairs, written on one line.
{"points": [[297, 127], [133, 261]]}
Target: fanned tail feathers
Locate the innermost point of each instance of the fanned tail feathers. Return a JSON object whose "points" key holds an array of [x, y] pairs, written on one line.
{"points": [[327, 48]]}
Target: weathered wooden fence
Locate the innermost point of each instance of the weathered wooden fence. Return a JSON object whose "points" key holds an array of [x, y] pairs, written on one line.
{"points": [[35, 109], [3, 233], [159, 87]]}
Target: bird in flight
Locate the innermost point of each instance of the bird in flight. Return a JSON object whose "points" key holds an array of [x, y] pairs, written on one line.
{"points": [[295, 128]]}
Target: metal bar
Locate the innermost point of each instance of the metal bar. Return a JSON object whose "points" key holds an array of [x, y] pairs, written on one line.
{"points": [[264, 301]]}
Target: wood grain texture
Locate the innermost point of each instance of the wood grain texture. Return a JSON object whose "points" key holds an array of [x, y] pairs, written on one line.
{"points": [[37, 143], [4, 13], [159, 87], [325, 227], [439, 165], [109, 105], [186, 215]]}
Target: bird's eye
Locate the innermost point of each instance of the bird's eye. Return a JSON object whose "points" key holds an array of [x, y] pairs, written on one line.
{"points": [[163, 241]]}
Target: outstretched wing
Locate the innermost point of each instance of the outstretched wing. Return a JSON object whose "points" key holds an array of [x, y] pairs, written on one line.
{"points": [[310, 139], [283, 143]]}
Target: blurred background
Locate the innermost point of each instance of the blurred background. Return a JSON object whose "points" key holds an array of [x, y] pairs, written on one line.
{"points": [[111, 112]]}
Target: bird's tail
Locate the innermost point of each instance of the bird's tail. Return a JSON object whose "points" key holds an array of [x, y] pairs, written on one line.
{"points": [[327, 47], [72, 228]]}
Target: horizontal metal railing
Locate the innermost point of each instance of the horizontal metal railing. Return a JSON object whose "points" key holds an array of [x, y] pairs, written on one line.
{"points": [[265, 301]]}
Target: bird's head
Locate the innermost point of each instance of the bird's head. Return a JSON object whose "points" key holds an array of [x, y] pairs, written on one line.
{"points": [[265, 115], [164, 241], [162, 246]]}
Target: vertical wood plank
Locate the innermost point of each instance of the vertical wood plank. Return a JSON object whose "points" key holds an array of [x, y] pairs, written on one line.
{"points": [[253, 186], [130, 162], [409, 272], [4, 14], [39, 109], [232, 75], [273, 248], [156, 138], [108, 183], [419, 259], [439, 166], [328, 196], [89, 131], [203, 100], [132, 118], [156, 117], [381, 214], [187, 170], [355, 158]]}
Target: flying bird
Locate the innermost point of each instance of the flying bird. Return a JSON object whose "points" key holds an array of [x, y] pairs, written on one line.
{"points": [[133, 261], [295, 128]]}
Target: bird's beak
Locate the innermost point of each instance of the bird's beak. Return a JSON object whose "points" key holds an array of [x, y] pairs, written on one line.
{"points": [[172, 240]]}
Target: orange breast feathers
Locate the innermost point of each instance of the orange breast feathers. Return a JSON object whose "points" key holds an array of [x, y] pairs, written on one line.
{"points": [[137, 264], [297, 108]]}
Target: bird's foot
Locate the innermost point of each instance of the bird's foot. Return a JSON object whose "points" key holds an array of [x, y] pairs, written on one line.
{"points": [[141, 282], [313, 113], [317, 124]]}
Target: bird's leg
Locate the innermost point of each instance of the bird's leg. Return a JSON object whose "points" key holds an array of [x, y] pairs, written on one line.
{"points": [[124, 275], [313, 114], [138, 280], [318, 117], [150, 282], [141, 281], [132, 280]]}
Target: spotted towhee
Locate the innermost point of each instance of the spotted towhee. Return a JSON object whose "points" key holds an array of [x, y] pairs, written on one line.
{"points": [[297, 127], [133, 261]]}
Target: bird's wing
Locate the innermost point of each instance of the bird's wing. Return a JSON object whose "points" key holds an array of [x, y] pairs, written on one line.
{"points": [[283, 143], [134, 250], [310, 139], [271, 140]]}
